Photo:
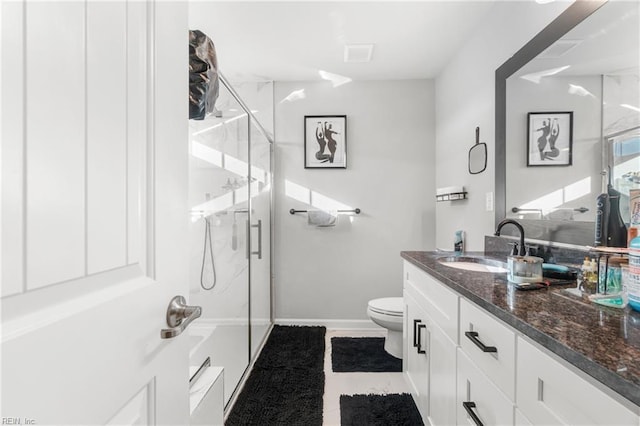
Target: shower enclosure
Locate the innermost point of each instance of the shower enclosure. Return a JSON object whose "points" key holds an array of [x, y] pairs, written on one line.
{"points": [[230, 184]]}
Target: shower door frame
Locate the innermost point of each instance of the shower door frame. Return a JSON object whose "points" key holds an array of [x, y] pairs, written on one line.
{"points": [[252, 120]]}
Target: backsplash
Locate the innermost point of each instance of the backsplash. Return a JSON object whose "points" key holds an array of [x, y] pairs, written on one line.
{"points": [[550, 253]]}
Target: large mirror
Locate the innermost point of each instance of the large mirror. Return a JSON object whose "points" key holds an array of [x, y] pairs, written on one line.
{"points": [[568, 121]]}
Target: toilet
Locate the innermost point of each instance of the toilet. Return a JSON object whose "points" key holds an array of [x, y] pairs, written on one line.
{"points": [[388, 313]]}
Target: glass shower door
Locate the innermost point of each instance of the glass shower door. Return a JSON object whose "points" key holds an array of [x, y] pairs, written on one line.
{"points": [[220, 206], [260, 241]]}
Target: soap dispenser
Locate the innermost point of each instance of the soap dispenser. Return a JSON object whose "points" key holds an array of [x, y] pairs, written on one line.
{"points": [[524, 269]]}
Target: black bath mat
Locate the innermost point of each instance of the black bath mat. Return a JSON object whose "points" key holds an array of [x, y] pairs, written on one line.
{"points": [[286, 384], [362, 354], [379, 410]]}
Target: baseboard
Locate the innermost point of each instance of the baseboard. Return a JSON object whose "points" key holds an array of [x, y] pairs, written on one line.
{"points": [[338, 324]]}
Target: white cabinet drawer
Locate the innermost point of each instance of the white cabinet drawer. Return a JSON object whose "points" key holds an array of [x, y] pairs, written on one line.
{"points": [[440, 303], [490, 345], [488, 404], [549, 393]]}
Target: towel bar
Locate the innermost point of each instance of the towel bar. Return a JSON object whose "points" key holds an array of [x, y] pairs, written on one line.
{"points": [[356, 211]]}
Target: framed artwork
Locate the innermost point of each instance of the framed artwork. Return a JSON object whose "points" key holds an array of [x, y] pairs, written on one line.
{"points": [[549, 138], [325, 141]]}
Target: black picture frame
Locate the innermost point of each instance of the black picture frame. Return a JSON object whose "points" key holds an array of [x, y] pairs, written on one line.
{"points": [[325, 141], [550, 139]]}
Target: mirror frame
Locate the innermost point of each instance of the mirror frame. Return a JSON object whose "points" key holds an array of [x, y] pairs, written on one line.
{"points": [[570, 232]]}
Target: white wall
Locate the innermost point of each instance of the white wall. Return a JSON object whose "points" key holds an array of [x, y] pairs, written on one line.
{"points": [[331, 273], [465, 99]]}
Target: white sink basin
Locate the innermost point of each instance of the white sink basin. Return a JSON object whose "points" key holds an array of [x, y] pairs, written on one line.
{"points": [[475, 264]]}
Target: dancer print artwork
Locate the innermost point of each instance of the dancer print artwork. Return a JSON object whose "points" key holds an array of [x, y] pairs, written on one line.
{"points": [[325, 141], [550, 137]]}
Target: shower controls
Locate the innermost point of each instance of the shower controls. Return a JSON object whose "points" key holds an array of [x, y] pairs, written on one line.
{"points": [[179, 316]]}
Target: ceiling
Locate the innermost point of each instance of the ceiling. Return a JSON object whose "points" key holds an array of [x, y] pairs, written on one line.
{"points": [[294, 40], [607, 42]]}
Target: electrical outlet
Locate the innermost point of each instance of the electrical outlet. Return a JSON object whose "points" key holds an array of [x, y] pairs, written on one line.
{"points": [[489, 201]]}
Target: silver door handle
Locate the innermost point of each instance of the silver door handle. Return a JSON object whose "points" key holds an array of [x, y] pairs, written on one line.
{"points": [[259, 226], [179, 316]]}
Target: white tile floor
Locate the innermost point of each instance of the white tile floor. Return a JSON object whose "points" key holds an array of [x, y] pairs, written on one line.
{"points": [[337, 384]]}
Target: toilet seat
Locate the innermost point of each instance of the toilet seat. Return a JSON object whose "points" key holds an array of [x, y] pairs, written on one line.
{"points": [[392, 306]]}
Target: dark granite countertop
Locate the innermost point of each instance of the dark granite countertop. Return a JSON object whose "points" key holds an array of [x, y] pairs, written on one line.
{"points": [[601, 341]]}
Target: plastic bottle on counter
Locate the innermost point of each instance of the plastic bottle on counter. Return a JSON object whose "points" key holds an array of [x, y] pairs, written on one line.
{"points": [[633, 282], [625, 283]]}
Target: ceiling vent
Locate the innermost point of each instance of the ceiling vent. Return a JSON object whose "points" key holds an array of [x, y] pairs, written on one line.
{"points": [[559, 49], [358, 52]]}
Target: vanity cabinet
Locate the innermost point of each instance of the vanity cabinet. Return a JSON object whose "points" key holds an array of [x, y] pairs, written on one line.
{"points": [[490, 345], [478, 400], [549, 393], [416, 362], [465, 366], [429, 352], [440, 302], [486, 368]]}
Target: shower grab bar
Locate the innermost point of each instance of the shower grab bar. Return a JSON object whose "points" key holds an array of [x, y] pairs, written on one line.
{"points": [[356, 211], [237, 97]]}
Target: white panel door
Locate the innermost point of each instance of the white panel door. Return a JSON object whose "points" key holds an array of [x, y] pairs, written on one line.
{"points": [[94, 212]]}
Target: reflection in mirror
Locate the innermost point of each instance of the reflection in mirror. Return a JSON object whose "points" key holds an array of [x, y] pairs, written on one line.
{"points": [[478, 156], [623, 157], [592, 70]]}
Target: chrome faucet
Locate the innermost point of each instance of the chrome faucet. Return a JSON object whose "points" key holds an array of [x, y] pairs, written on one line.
{"points": [[520, 228]]}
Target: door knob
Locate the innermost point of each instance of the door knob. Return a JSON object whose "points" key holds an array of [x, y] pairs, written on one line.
{"points": [[179, 316]]}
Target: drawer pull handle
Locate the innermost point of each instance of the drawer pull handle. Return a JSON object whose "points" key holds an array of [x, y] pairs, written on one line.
{"points": [[473, 336], [415, 333], [469, 406], [420, 350]]}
